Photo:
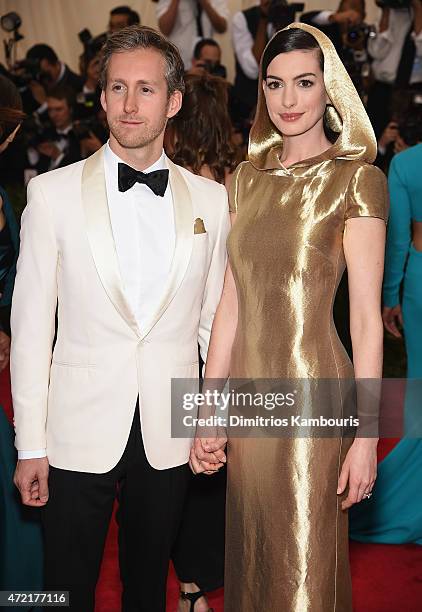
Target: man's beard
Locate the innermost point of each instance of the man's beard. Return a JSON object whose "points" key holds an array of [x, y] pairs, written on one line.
{"points": [[133, 138]]}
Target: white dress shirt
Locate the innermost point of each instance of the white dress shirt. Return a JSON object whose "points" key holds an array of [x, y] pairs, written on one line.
{"points": [[144, 235], [185, 32], [386, 48], [243, 43]]}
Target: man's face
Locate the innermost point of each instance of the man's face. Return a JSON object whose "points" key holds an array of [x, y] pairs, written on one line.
{"points": [[117, 22], [59, 113], [49, 71], [211, 54], [136, 98]]}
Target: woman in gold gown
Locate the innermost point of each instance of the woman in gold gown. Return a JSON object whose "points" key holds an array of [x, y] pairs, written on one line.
{"points": [[307, 203]]}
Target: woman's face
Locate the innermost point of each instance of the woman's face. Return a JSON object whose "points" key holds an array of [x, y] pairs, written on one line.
{"points": [[295, 92]]}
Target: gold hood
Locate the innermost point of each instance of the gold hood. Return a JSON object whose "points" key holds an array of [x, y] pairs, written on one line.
{"points": [[346, 116]]}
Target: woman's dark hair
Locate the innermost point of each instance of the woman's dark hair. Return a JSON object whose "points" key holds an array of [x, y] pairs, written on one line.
{"points": [[11, 114], [203, 128], [293, 39]]}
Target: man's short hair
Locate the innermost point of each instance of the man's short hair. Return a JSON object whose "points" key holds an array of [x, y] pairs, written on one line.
{"points": [[136, 37], [63, 92], [132, 16], [204, 42], [40, 52]]}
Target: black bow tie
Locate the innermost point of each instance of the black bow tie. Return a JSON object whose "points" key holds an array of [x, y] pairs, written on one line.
{"points": [[156, 181]]}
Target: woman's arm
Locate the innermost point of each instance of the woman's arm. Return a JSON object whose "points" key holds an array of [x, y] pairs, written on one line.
{"points": [[364, 243], [398, 242], [207, 453]]}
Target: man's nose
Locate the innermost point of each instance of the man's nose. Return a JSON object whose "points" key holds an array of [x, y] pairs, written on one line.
{"points": [[131, 104]]}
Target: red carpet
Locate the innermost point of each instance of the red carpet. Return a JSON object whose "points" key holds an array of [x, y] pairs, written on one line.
{"points": [[386, 578]]}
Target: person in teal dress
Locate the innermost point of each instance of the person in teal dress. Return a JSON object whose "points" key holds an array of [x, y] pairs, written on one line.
{"points": [[20, 528], [394, 513]]}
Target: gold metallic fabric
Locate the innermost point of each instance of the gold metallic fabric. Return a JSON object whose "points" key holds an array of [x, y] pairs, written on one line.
{"points": [[287, 537]]}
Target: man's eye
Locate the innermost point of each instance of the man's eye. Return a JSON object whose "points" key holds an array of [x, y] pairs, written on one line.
{"points": [[117, 87], [146, 90], [306, 83]]}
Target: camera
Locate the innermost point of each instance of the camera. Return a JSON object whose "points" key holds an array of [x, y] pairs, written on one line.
{"points": [[215, 69], [358, 35]]}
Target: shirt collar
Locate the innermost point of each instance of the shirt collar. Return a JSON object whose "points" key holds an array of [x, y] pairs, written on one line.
{"points": [[61, 73], [66, 130], [112, 160]]}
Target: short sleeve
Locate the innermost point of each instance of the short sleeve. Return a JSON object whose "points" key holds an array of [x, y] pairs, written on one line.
{"points": [[367, 194], [235, 189]]}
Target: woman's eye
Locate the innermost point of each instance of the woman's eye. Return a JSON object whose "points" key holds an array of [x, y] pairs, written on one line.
{"points": [[273, 84], [306, 83]]}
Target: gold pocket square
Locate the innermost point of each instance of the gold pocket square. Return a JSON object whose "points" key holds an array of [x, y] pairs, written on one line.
{"points": [[199, 227]]}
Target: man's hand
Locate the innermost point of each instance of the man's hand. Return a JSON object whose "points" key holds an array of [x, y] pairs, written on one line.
{"points": [[207, 455], [49, 149], [4, 350], [38, 92], [90, 144], [391, 317], [399, 144], [31, 478], [349, 17], [389, 134]]}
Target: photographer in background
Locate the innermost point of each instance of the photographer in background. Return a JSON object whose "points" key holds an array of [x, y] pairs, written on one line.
{"points": [[57, 145], [397, 57], [207, 59], [121, 17], [184, 21], [404, 129], [51, 73], [335, 24]]}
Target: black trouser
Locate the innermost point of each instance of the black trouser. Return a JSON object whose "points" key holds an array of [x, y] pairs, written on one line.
{"points": [[76, 520]]}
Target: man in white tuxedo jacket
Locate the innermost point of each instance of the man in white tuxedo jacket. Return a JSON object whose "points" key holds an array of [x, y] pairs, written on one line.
{"points": [[130, 249]]}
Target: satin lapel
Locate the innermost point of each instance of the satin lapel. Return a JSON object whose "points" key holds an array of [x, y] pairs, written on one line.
{"points": [[183, 221], [100, 235]]}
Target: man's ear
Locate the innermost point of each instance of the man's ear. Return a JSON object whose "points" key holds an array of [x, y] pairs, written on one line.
{"points": [[174, 104], [103, 101]]}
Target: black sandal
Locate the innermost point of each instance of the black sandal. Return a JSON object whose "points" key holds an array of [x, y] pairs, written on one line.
{"points": [[193, 598]]}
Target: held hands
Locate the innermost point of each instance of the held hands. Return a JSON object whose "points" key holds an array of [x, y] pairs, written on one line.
{"points": [[359, 470], [207, 454], [31, 478]]}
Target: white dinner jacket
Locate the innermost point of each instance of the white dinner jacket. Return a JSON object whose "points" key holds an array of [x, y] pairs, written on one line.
{"points": [[78, 401]]}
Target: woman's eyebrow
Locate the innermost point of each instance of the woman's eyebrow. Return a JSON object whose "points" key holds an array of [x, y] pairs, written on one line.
{"points": [[299, 76]]}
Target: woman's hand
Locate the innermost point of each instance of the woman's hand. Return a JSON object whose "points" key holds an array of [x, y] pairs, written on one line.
{"points": [[391, 317], [207, 454], [359, 471]]}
